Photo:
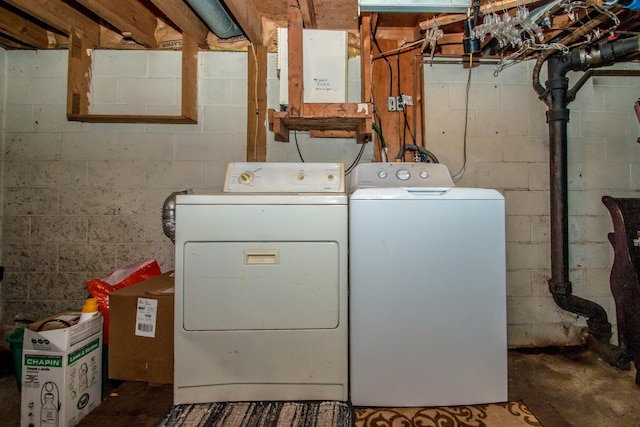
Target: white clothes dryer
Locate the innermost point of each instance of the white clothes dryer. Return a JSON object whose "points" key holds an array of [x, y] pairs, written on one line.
{"points": [[427, 288], [261, 304]]}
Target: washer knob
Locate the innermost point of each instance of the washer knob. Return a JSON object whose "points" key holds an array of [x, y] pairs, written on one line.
{"points": [[403, 174], [424, 174], [382, 174], [245, 177]]}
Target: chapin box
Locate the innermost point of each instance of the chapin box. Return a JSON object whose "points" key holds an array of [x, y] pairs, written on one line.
{"points": [[61, 370]]}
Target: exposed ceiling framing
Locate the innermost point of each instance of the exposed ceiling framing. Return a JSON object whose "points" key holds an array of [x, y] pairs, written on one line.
{"points": [[134, 24]]}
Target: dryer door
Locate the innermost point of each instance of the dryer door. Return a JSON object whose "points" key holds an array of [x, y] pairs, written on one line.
{"points": [[261, 285]]}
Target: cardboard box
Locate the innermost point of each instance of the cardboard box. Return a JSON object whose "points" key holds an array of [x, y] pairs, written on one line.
{"points": [[141, 331], [61, 370]]}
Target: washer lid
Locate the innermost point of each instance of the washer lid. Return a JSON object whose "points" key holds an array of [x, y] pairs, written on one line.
{"points": [[273, 177], [425, 193]]}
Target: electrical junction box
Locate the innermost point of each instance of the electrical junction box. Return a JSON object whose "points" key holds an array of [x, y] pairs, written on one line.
{"points": [[61, 370], [324, 63]]}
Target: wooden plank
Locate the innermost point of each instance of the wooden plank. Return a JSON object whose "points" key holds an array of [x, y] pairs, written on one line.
{"points": [[407, 77], [308, 11], [248, 18], [60, 16], [389, 121], [130, 118], [278, 126], [345, 134], [295, 52], [340, 111], [257, 104], [189, 78], [187, 21], [131, 18], [365, 57], [79, 73], [7, 43], [23, 30], [405, 34]]}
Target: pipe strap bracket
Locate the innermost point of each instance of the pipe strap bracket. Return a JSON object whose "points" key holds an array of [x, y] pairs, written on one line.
{"points": [[558, 83], [555, 115]]}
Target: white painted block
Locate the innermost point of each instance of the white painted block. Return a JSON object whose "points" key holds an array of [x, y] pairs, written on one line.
{"points": [[503, 175], [164, 63], [177, 174], [119, 63], [518, 228], [88, 145]]}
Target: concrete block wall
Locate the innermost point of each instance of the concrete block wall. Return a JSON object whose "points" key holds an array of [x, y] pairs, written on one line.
{"points": [[507, 149], [80, 200]]}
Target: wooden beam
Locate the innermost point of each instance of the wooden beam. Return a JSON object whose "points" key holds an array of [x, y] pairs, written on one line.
{"points": [[248, 18], [60, 16], [189, 78], [257, 104], [131, 18], [185, 19], [365, 57], [308, 14], [7, 43], [295, 52], [79, 76], [25, 31]]}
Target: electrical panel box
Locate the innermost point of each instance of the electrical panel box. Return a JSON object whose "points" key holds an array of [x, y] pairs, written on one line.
{"points": [[324, 62]]}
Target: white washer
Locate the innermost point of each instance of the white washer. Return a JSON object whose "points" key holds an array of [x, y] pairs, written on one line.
{"points": [[427, 289], [261, 293]]}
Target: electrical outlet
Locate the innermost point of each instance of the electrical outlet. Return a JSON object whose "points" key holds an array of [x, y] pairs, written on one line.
{"points": [[392, 103], [400, 103]]}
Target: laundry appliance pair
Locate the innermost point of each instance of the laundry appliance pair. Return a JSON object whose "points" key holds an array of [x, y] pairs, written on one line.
{"points": [[287, 288]]}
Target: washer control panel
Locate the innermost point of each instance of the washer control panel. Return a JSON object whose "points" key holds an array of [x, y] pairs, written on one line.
{"points": [[400, 174], [274, 177]]}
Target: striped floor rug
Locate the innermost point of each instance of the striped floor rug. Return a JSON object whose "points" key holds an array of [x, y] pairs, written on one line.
{"points": [[260, 414], [340, 414]]}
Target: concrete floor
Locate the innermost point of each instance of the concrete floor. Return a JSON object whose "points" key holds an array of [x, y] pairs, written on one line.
{"points": [[562, 387]]}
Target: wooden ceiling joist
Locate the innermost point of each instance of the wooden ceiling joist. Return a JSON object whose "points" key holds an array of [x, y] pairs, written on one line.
{"points": [[248, 18], [187, 21], [18, 28], [131, 18], [59, 15], [308, 14]]}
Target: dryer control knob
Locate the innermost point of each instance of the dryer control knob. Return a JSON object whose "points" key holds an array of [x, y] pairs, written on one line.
{"points": [[424, 174], [382, 174], [245, 177], [403, 174]]}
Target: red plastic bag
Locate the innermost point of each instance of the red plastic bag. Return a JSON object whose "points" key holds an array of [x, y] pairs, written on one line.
{"points": [[121, 278]]}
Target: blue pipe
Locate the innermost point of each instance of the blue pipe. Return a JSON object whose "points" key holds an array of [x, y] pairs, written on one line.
{"points": [[216, 18], [634, 5]]}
